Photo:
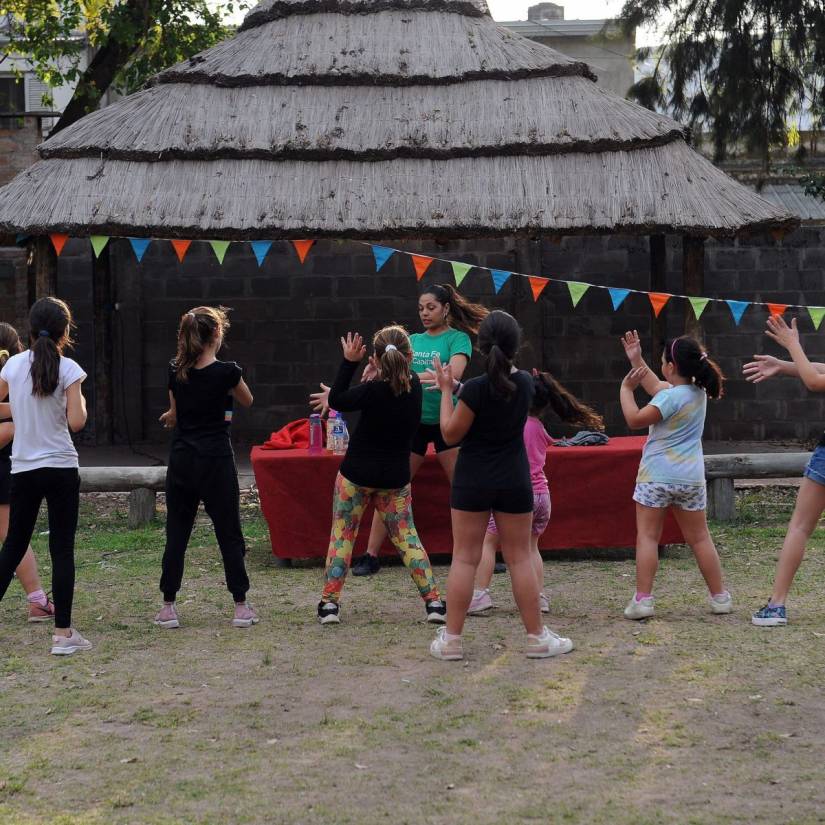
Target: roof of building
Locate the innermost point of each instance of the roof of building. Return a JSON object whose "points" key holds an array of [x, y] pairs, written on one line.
{"points": [[792, 198], [560, 28]]}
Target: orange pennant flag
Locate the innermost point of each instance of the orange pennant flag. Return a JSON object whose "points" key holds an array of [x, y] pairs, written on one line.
{"points": [[777, 309], [537, 285], [421, 264], [181, 247], [658, 300], [58, 242], [302, 248]]}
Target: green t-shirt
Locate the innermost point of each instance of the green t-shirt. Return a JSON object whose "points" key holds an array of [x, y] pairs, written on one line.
{"points": [[425, 347]]}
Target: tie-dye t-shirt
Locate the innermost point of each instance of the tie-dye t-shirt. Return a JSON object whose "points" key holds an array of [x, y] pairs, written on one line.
{"points": [[673, 452]]}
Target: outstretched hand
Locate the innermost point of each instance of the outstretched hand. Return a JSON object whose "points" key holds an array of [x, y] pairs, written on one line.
{"points": [[784, 335], [319, 401], [761, 368], [635, 377], [353, 347], [632, 346], [443, 375], [371, 371]]}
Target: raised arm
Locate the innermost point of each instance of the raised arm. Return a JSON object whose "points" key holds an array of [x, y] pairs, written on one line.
{"points": [[455, 419], [637, 419], [633, 350], [341, 396], [764, 367], [788, 337]]}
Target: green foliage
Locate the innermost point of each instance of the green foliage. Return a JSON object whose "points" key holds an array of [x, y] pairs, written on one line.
{"points": [[740, 68], [815, 185]]}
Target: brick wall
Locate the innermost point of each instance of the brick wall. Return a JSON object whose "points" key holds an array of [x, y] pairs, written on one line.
{"points": [[18, 146], [287, 318]]}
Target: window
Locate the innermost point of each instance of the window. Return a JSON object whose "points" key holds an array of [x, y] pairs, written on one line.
{"points": [[12, 95]]}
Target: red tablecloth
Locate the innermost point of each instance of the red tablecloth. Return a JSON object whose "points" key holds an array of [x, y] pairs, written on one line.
{"points": [[591, 490]]}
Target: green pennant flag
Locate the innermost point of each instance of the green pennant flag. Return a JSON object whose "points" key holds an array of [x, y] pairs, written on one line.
{"points": [[817, 314], [698, 305], [99, 243], [577, 289], [219, 248], [460, 271]]}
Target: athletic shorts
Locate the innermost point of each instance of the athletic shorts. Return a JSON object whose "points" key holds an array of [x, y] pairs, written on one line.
{"points": [[660, 495], [427, 434], [476, 500], [541, 515]]}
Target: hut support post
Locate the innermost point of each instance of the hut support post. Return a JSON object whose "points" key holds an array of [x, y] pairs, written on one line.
{"points": [[693, 278], [44, 264], [658, 283], [102, 314]]}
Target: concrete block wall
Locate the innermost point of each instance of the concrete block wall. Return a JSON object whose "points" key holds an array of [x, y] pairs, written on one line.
{"points": [[18, 146]]}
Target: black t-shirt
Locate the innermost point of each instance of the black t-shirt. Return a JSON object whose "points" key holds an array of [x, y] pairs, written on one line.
{"points": [[379, 448], [204, 407], [492, 455]]}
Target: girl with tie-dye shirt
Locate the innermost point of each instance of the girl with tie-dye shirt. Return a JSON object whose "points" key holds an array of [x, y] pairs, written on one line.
{"points": [[672, 471]]}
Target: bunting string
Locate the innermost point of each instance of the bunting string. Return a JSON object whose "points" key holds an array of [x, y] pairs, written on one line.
{"points": [[422, 263]]}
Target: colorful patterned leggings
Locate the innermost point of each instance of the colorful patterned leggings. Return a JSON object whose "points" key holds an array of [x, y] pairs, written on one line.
{"points": [[395, 509]]}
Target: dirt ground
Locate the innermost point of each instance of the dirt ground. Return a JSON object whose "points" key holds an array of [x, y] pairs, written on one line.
{"points": [[686, 718]]}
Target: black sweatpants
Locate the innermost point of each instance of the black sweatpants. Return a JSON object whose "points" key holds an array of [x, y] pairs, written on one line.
{"points": [[190, 479], [61, 489]]}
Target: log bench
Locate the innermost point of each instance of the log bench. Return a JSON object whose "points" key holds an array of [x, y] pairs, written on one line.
{"points": [[142, 483]]}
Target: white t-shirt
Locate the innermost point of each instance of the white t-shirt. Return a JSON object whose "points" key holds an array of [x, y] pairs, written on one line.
{"points": [[41, 431]]}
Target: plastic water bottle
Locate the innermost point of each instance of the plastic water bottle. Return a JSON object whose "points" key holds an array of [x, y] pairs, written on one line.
{"points": [[344, 435], [316, 434], [340, 437], [331, 419]]}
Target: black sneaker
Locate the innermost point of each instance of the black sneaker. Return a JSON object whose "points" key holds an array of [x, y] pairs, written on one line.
{"points": [[328, 613], [436, 611], [367, 565]]}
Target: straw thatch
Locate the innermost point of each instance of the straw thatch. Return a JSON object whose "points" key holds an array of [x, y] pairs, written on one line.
{"points": [[350, 118]]}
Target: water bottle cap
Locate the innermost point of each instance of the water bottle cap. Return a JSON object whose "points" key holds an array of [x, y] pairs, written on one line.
{"points": [[315, 415], [333, 414]]}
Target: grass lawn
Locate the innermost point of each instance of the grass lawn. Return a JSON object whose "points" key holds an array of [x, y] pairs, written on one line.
{"points": [[687, 718]]}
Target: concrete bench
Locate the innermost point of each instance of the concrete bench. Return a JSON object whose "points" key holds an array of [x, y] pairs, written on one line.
{"points": [[722, 470], [142, 483]]}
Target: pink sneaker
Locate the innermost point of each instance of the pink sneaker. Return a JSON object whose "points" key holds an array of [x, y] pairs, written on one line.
{"points": [[67, 645], [41, 613], [167, 617], [245, 616], [481, 603]]}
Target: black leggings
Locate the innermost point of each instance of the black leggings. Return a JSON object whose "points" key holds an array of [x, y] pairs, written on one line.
{"points": [[61, 489], [190, 479]]}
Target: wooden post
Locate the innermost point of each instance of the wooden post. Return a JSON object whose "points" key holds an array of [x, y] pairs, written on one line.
{"points": [[721, 499], [44, 264], [658, 283], [141, 507], [693, 279], [102, 318]]}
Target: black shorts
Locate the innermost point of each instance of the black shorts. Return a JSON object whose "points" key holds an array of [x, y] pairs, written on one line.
{"points": [[5, 480], [477, 500], [429, 434]]}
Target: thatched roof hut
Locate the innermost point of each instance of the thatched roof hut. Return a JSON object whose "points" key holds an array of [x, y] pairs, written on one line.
{"points": [[376, 118]]}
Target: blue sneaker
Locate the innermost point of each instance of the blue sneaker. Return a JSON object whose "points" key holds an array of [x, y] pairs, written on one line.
{"points": [[770, 616]]}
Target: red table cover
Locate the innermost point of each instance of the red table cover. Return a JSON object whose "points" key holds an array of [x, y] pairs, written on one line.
{"points": [[591, 489]]}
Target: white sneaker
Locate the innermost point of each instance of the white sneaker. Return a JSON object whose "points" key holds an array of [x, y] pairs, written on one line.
{"points": [[67, 645], [544, 603], [639, 610], [481, 603], [547, 644], [447, 651], [721, 603]]}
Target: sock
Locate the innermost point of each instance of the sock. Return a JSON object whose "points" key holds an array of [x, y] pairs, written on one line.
{"points": [[37, 597], [448, 637], [719, 595], [772, 603], [640, 596]]}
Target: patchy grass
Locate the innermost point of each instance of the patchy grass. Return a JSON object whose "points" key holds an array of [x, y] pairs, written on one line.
{"points": [[687, 718]]}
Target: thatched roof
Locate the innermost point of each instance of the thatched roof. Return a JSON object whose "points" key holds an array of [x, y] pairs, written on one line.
{"points": [[371, 118]]}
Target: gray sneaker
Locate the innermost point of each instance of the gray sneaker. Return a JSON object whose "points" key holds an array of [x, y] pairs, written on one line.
{"points": [[639, 610], [547, 644], [67, 645], [721, 603]]}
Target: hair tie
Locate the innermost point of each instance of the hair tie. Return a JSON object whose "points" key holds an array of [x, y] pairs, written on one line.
{"points": [[703, 356], [192, 314], [44, 333], [4, 353], [390, 347]]}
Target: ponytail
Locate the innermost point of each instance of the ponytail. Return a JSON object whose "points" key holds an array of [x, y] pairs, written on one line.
{"points": [[549, 392], [50, 320], [499, 337], [197, 328], [692, 362], [463, 314], [393, 352]]}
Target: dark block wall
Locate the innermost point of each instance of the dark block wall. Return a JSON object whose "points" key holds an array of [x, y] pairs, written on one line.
{"points": [[287, 318]]}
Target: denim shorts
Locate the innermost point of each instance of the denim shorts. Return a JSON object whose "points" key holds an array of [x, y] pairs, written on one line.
{"points": [[541, 515], [815, 470], [660, 495]]}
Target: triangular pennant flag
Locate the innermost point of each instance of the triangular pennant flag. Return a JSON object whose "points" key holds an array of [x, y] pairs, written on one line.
{"points": [[421, 264], [617, 296], [777, 309], [737, 309], [181, 248], [817, 314], [537, 285], [577, 289], [698, 305], [58, 241], [460, 271], [499, 278], [382, 255], [139, 247], [99, 243], [260, 248], [658, 300], [219, 248], [302, 248]]}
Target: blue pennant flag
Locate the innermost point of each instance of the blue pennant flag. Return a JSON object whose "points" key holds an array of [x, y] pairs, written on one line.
{"points": [[382, 255], [139, 247], [260, 248], [737, 309], [500, 278], [617, 296]]}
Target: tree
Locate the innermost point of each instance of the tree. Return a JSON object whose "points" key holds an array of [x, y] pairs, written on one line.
{"points": [[131, 40], [738, 68]]}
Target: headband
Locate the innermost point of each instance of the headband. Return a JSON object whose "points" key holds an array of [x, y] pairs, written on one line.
{"points": [[673, 350], [390, 347], [44, 333]]}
